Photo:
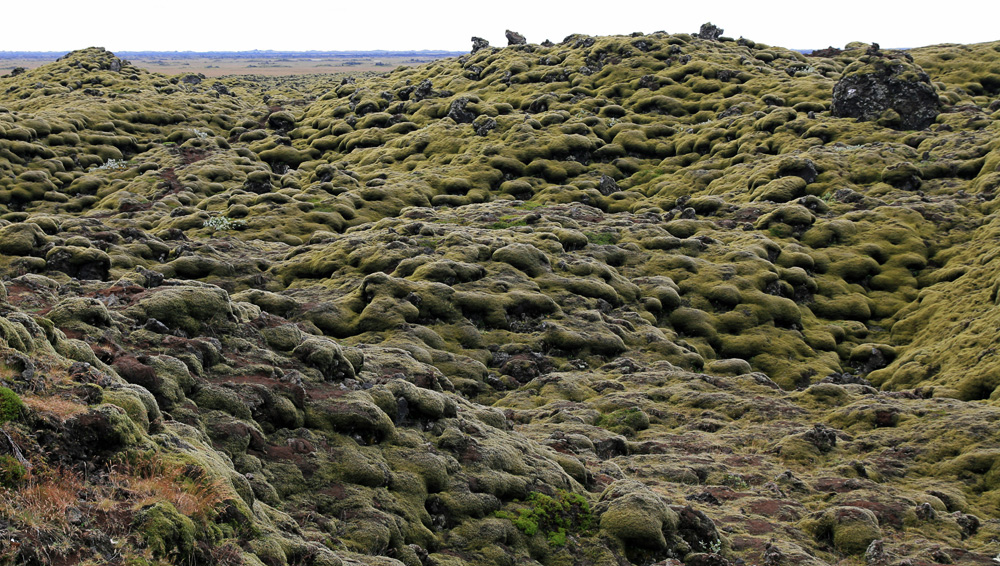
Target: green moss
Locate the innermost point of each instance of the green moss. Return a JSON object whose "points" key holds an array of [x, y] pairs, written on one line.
{"points": [[354, 414], [188, 307], [137, 403], [554, 517], [625, 421], [636, 516], [211, 396], [21, 239], [12, 472], [524, 257], [602, 239], [849, 529], [10, 405], [166, 532]]}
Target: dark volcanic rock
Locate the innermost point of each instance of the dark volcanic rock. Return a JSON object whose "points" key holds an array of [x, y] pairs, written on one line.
{"points": [[608, 185], [878, 83], [424, 90], [458, 113], [822, 437], [484, 125], [514, 38], [709, 31], [479, 43], [828, 52]]}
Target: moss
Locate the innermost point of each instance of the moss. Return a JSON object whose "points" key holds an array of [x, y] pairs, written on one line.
{"points": [[172, 378], [326, 356], [211, 396], [285, 337], [524, 257], [844, 307], [731, 366], [188, 307], [783, 189], [849, 529], [555, 518], [21, 239], [132, 403], [12, 472], [354, 414], [625, 421], [269, 552], [423, 403], [165, 531], [80, 314], [10, 405], [636, 516], [582, 342], [84, 263]]}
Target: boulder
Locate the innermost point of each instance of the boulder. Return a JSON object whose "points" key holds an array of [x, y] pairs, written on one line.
{"points": [[878, 83], [514, 38], [186, 307], [82, 263], [479, 43], [850, 529], [21, 239], [710, 32], [635, 515], [458, 112]]}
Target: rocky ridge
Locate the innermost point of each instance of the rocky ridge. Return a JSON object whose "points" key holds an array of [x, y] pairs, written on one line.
{"points": [[618, 300]]}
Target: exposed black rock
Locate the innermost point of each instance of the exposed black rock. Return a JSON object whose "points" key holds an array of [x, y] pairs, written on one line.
{"points": [[514, 38], [479, 43], [710, 32], [879, 83]]}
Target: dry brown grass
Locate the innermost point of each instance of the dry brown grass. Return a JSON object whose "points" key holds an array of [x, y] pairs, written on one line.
{"points": [[150, 478], [62, 408], [42, 502]]}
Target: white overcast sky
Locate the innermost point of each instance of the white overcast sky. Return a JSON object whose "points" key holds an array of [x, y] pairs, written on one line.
{"points": [[300, 25]]}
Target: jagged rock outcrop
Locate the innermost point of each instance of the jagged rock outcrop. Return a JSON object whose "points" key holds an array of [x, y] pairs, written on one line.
{"points": [[479, 43], [514, 38], [888, 87]]}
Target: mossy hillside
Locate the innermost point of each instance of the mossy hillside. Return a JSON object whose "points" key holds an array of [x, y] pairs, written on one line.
{"points": [[316, 280], [171, 534]]}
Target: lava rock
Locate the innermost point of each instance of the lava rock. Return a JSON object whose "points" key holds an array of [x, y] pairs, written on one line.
{"points": [[483, 125], [479, 43], [822, 437], [710, 32], [514, 38], [458, 113], [878, 83], [608, 185], [424, 90]]}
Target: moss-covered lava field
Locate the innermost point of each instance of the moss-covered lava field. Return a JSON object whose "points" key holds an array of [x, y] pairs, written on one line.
{"points": [[630, 300]]}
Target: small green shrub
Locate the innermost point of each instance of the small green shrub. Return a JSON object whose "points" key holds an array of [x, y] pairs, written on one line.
{"points": [[554, 517], [602, 239], [224, 223], [12, 473], [507, 222], [10, 405], [735, 481], [111, 165]]}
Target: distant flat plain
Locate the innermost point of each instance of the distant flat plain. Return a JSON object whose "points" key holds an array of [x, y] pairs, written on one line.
{"points": [[219, 64]]}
